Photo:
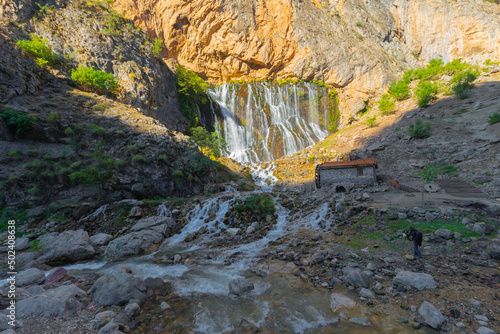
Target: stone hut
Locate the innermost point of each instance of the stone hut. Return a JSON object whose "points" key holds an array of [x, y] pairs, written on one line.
{"points": [[344, 175]]}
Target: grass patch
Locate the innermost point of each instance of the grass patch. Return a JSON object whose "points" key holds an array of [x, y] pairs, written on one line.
{"points": [[386, 104], [419, 130], [400, 89], [94, 80], [494, 118], [431, 172], [257, 205]]}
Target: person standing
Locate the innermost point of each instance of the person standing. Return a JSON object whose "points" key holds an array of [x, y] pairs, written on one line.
{"points": [[416, 237]]}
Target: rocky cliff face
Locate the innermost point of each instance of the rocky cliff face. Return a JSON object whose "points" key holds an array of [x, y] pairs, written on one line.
{"points": [[355, 46]]}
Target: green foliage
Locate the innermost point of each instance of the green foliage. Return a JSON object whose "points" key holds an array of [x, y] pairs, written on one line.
{"points": [[69, 132], [425, 92], [386, 104], [162, 157], [157, 47], [494, 118], [45, 9], [33, 191], [53, 117], [462, 83], [488, 62], [38, 48], [360, 24], [101, 172], [209, 142], [371, 121], [400, 89], [35, 246], [18, 122], [191, 89], [140, 159], [419, 130], [14, 153], [177, 173], [33, 164], [115, 21], [333, 117], [97, 130], [94, 80], [258, 205]]}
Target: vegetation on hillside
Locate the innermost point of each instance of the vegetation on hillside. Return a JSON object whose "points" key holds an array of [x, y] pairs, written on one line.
{"points": [[192, 90], [18, 122], [94, 80], [257, 205], [38, 48]]}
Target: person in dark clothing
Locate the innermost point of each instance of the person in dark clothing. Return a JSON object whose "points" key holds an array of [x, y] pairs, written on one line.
{"points": [[416, 237]]}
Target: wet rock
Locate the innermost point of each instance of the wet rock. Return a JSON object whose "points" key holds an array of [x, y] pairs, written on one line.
{"points": [[30, 276], [444, 233], [155, 283], [110, 328], [405, 280], [240, 286], [339, 300], [164, 225], [102, 318], [117, 289], [431, 315], [483, 228], [485, 330], [57, 275], [61, 302], [248, 327], [133, 244], [233, 231], [132, 309], [355, 277], [361, 321], [100, 239], [368, 294], [68, 246]]}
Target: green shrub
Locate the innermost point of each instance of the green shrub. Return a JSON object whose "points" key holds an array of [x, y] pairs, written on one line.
{"points": [[101, 172], [462, 83], [177, 173], [494, 118], [139, 158], [419, 130], [157, 47], [94, 80], [33, 164], [69, 132], [97, 130], [386, 104], [258, 205], [14, 153], [191, 89], [33, 190], [53, 117], [431, 172], [115, 22], [38, 48], [371, 121], [162, 157], [425, 92], [400, 89], [18, 122], [209, 142]]}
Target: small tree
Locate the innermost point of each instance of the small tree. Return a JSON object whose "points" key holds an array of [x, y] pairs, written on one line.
{"points": [[209, 142], [462, 83], [400, 89], [371, 122], [419, 130], [94, 79], [18, 122], [157, 47], [425, 92], [386, 104]]}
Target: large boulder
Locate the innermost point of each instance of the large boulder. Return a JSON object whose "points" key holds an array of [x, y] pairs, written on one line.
{"points": [[355, 277], [57, 303], [165, 225], [494, 249], [100, 239], [339, 300], [406, 280], [483, 228], [431, 315], [68, 246], [240, 286], [445, 233], [29, 277], [133, 244], [117, 289]]}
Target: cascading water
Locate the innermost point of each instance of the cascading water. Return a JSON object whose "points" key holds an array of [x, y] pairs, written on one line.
{"points": [[261, 121]]}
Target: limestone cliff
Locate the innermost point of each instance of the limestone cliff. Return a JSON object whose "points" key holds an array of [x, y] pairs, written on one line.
{"points": [[353, 45]]}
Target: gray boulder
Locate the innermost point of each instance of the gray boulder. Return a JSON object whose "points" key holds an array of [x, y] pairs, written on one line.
{"points": [[444, 233], [57, 303], [100, 239], [22, 243], [240, 286], [365, 293], [29, 277], [494, 249], [485, 330], [164, 225], [133, 243], [339, 300], [68, 246], [483, 228], [133, 309], [405, 280], [102, 318], [110, 328], [4, 323], [431, 315], [117, 289], [8, 331], [355, 277]]}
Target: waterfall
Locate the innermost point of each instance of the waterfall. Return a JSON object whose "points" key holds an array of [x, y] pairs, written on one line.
{"points": [[261, 121]]}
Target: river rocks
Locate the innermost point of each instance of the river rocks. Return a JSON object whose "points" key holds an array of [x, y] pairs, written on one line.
{"points": [[355, 277], [485, 330], [30, 277], [431, 315], [233, 231], [100, 239], [5, 326], [133, 243], [22, 243], [68, 246], [483, 228], [154, 283], [117, 289], [132, 309], [240, 286], [339, 300], [61, 302], [360, 321], [102, 318], [57, 275], [494, 249], [164, 225], [164, 306], [365, 293], [444, 233], [405, 280], [110, 328]]}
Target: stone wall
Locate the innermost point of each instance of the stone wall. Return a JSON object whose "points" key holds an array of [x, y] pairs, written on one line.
{"points": [[347, 176]]}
